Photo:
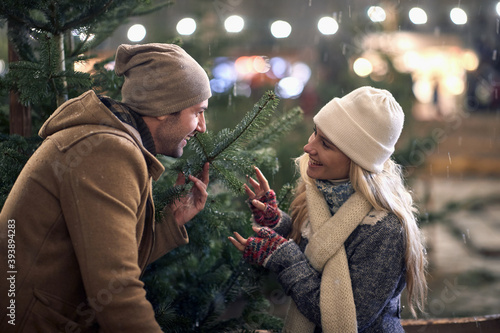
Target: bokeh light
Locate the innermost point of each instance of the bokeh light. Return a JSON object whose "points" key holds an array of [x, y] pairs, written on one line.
{"points": [[279, 67], [376, 14], [289, 87], [458, 16], [423, 90], [301, 71], [362, 67], [83, 35], [136, 33], [244, 65], [454, 84], [418, 15], [281, 29], [261, 64], [470, 61], [234, 24], [328, 25], [186, 26]]}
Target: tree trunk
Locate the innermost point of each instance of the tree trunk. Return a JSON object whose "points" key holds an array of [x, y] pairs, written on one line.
{"points": [[63, 95], [19, 115]]}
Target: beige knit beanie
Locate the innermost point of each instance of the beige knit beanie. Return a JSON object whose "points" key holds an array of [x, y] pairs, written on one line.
{"points": [[160, 78], [364, 124]]}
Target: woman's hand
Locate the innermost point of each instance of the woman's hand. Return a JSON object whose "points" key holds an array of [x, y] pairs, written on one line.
{"points": [[238, 241], [186, 207], [262, 201], [257, 249]]}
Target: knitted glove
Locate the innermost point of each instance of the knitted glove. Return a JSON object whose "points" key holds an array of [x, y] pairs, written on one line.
{"points": [[262, 246], [271, 215]]}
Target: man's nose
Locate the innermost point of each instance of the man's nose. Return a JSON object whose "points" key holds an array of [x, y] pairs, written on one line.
{"points": [[202, 127]]}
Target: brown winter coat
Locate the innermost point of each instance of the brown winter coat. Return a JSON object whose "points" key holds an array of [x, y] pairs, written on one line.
{"points": [[82, 237]]}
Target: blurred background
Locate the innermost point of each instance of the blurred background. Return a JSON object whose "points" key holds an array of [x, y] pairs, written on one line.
{"points": [[439, 59]]}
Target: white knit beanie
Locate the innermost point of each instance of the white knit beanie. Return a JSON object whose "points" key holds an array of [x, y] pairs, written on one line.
{"points": [[364, 124]]}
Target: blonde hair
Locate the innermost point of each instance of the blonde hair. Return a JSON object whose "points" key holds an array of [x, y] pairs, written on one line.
{"points": [[385, 191]]}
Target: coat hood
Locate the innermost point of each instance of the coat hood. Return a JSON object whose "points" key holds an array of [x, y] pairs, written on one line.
{"points": [[88, 113], [80, 111]]}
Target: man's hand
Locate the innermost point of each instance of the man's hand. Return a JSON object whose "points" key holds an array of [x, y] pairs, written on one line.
{"points": [[186, 207]]}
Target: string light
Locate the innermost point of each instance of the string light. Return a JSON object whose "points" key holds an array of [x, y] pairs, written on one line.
{"points": [[458, 16], [281, 29], [186, 26], [136, 33], [418, 15], [234, 24], [328, 25], [376, 14]]}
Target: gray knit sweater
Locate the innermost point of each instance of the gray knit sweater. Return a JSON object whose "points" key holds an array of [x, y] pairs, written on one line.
{"points": [[375, 254]]}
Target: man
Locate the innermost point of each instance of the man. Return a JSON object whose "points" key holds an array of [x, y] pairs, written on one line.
{"points": [[77, 229]]}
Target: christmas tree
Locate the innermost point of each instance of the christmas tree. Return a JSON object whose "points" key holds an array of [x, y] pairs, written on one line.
{"points": [[205, 286], [46, 39]]}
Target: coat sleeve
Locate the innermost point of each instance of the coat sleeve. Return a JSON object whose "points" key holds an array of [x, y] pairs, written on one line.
{"points": [[298, 279], [168, 236], [101, 199]]}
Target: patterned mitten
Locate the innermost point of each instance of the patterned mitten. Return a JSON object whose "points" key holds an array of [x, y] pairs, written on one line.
{"points": [[271, 215], [260, 247]]}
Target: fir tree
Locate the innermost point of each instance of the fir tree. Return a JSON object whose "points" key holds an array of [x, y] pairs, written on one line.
{"points": [[50, 36], [205, 286]]}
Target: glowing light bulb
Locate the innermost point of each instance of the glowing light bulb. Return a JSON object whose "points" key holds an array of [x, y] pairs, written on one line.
{"points": [[281, 29], [458, 16], [328, 25], [362, 67], [186, 26], [376, 14], [418, 15], [234, 24], [136, 33]]}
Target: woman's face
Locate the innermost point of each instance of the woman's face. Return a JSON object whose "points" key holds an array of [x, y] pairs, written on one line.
{"points": [[326, 161]]}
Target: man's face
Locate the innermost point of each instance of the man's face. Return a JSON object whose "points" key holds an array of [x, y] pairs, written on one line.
{"points": [[171, 132]]}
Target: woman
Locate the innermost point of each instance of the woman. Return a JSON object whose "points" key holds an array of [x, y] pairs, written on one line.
{"points": [[351, 243]]}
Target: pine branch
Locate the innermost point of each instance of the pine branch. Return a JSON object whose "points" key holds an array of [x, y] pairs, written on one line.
{"points": [[221, 277], [215, 149], [276, 129], [252, 121], [89, 16]]}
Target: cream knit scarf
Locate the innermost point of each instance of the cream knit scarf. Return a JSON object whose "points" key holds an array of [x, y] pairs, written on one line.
{"points": [[326, 253]]}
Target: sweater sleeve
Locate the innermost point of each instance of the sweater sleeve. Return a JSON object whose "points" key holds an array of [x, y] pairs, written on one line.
{"points": [[284, 226], [376, 266], [101, 199], [298, 279]]}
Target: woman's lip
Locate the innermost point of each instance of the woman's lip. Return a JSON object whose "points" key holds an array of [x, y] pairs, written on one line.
{"points": [[314, 163]]}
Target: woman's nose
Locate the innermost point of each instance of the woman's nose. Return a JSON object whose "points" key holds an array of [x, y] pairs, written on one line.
{"points": [[308, 148]]}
